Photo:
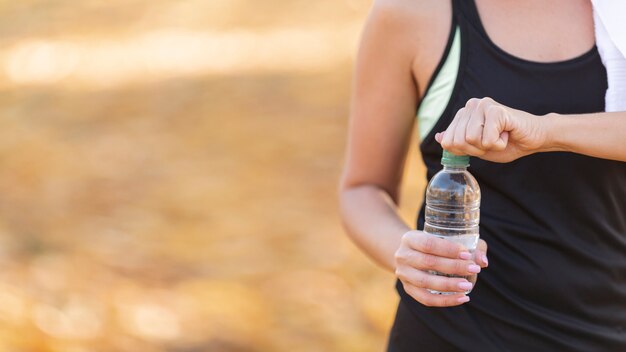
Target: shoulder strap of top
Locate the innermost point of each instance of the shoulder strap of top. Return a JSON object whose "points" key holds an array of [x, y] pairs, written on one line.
{"points": [[467, 8], [466, 11]]}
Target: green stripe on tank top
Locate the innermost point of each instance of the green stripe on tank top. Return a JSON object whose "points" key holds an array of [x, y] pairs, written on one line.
{"points": [[439, 94]]}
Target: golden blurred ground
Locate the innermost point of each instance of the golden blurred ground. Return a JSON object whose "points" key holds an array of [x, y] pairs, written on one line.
{"points": [[168, 178]]}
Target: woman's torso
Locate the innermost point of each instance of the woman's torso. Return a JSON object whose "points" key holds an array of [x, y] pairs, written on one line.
{"points": [[555, 222], [525, 29]]}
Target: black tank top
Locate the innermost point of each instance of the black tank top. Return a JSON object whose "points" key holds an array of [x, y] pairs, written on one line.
{"points": [[555, 222]]}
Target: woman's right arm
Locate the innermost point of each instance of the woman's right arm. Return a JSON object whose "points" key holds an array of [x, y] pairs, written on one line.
{"points": [[382, 115]]}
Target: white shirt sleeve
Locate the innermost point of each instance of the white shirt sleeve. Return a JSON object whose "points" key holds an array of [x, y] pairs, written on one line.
{"points": [[610, 31]]}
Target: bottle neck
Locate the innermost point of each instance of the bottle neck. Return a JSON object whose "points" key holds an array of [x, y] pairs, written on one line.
{"points": [[455, 168]]}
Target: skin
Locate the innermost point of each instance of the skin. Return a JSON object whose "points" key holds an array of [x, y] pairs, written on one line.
{"points": [[401, 44], [495, 132]]}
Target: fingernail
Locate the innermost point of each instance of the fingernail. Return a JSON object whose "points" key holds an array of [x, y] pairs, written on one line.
{"points": [[465, 255], [473, 268], [485, 260], [463, 299], [465, 285]]}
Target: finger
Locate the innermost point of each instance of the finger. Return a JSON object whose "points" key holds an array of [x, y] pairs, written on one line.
{"points": [[458, 140], [465, 149], [448, 134], [459, 144], [480, 254], [431, 262], [472, 107], [503, 141], [439, 137], [434, 300], [494, 135], [423, 279], [482, 246], [425, 243], [474, 129]]}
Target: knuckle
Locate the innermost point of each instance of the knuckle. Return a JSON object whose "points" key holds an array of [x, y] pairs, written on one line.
{"points": [[428, 244], [438, 283], [486, 102], [401, 251], [460, 267], [398, 257], [482, 102], [422, 280], [429, 261], [398, 273], [487, 143], [472, 138], [405, 237], [411, 257], [472, 103], [451, 285]]}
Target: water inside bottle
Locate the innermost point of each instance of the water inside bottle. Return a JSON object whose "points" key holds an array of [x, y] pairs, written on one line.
{"points": [[453, 212]]}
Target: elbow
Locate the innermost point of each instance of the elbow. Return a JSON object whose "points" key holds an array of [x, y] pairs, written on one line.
{"points": [[359, 190], [347, 187]]}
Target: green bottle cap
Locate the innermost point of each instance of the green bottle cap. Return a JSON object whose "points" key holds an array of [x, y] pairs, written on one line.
{"points": [[449, 159]]}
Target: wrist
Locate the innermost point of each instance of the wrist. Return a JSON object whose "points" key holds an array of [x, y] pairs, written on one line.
{"points": [[551, 126]]}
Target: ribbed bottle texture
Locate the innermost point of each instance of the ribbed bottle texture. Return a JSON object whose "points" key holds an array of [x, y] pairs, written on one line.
{"points": [[453, 207]]}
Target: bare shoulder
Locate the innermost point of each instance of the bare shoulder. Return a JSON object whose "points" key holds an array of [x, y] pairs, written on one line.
{"points": [[418, 28], [428, 7], [417, 14]]}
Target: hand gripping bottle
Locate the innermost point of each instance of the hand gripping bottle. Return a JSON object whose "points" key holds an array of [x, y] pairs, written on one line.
{"points": [[453, 206]]}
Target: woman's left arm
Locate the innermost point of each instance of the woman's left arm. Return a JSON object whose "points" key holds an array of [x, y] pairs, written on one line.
{"points": [[492, 131]]}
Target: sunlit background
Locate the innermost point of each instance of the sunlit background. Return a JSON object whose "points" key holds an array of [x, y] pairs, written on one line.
{"points": [[168, 175]]}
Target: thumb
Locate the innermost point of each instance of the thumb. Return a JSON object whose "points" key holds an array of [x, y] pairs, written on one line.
{"points": [[480, 254], [501, 142]]}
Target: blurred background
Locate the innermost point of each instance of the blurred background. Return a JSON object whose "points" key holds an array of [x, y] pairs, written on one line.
{"points": [[168, 176]]}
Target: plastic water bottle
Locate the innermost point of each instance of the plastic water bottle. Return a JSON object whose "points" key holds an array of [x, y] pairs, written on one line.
{"points": [[453, 206]]}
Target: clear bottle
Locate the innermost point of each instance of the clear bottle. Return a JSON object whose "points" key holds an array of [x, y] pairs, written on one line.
{"points": [[453, 206]]}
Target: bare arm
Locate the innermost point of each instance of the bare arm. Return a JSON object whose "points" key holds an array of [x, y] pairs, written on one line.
{"points": [[495, 132], [602, 135], [382, 117]]}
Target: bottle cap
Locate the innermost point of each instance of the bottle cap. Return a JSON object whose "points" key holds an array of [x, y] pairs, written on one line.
{"points": [[449, 159]]}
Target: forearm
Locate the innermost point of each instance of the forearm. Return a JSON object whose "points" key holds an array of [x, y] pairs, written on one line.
{"points": [[601, 135], [371, 219]]}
